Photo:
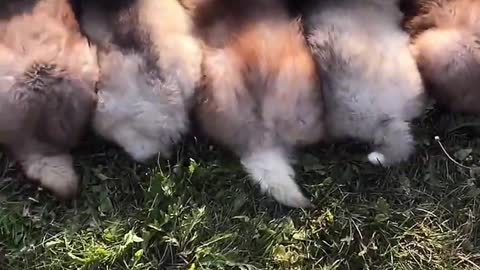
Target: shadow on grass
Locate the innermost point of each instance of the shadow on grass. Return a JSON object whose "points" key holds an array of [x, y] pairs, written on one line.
{"points": [[199, 211]]}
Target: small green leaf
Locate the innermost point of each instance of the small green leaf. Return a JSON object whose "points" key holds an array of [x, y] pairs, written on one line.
{"points": [[280, 253], [329, 217], [138, 254], [100, 175], [105, 204], [300, 235], [53, 243], [381, 218], [462, 154], [473, 193], [131, 238], [239, 202], [383, 206], [312, 163]]}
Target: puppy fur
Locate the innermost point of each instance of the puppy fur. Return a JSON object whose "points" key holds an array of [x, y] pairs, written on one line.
{"points": [[446, 45], [371, 85], [48, 73], [261, 93], [150, 66]]}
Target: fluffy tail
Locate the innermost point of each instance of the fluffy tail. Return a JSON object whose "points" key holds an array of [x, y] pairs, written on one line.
{"points": [[55, 173], [271, 170], [393, 143]]}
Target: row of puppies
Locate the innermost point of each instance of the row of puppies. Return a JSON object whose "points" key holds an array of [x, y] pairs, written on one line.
{"points": [[258, 80]]}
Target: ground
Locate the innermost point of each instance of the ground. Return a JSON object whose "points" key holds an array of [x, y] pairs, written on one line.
{"points": [[199, 211]]}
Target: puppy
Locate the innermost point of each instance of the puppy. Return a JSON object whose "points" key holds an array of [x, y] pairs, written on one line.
{"points": [[48, 73], [371, 85], [446, 44], [150, 65], [261, 95]]}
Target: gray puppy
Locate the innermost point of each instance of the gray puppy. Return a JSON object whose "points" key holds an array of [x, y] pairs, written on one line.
{"points": [[372, 87]]}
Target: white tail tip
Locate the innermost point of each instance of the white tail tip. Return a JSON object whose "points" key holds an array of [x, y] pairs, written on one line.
{"points": [[376, 158]]}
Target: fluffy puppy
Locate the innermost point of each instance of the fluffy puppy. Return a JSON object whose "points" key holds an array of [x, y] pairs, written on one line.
{"points": [[150, 65], [371, 84], [446, 44], [48, 73], [261, 93]]}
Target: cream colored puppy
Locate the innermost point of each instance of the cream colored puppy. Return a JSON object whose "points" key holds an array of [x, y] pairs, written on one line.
{"points": [[150, 64]]}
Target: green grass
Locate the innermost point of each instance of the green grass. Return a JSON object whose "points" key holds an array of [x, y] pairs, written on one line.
{"points": [[199, 211]]}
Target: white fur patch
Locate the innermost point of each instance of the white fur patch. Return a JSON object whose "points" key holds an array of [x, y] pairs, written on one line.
{"points": [[376, 158], [271, 170], [141, 149]]}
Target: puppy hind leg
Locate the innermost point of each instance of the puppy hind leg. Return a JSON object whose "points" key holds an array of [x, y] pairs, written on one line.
{"points": [[393, 142], [270, 168], [56, 173]]}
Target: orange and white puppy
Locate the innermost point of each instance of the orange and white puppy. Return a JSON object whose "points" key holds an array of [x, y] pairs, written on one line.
{"points": [[261, 95], [446, 44], [48, 73]]}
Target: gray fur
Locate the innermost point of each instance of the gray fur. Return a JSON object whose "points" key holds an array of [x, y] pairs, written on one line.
{"points": [[150, 65], [372, 87]]}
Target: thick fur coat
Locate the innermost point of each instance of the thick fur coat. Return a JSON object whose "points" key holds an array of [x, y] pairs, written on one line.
{"points": [[446, 45], [48, 73], [261, 94], [372, 87], [150, 66]]}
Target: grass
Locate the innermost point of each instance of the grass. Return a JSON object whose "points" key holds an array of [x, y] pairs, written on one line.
{"points": [[199, 211]]}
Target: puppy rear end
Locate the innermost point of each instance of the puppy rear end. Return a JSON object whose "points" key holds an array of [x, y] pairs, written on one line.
{"points": [[151, 65], [50, 95], [446, 43], [261, 95]]}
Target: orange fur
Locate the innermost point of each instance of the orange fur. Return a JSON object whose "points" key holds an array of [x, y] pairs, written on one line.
{"points": [[261, 93], [445, 41]]}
